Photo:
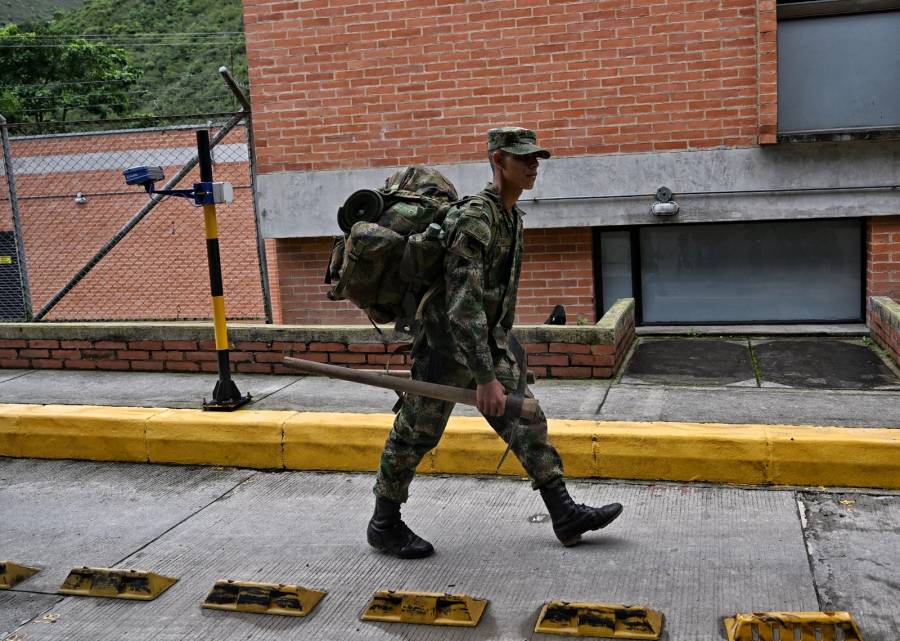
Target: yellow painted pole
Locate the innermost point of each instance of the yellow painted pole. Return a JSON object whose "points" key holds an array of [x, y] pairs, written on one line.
{"points": [[226, 395]]}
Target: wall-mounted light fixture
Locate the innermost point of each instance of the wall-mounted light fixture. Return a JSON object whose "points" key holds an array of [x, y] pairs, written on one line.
{"points": [[664, 205], [80, 199]]}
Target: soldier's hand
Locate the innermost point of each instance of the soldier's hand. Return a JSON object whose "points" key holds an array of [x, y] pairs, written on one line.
{"points": [[491, 398]]}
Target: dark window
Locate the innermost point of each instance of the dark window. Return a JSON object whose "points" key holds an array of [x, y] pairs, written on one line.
{"points": [[781, 272], [838, 70]]}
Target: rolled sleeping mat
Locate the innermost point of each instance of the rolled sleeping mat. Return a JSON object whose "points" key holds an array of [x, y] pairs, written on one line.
{"points": [[362, 205]]}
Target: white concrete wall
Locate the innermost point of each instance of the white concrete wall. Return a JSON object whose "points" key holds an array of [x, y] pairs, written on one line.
{"points": [[304, 204]]}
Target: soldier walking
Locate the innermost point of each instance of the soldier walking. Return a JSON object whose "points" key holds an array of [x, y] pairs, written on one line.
{"points": [[468, 344]]}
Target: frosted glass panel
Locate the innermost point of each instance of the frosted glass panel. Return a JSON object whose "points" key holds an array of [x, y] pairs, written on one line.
{"points": [[839, 72], [615, 266], [736, 272]]}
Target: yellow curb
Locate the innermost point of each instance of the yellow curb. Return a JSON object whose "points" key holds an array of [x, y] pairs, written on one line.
{"points": [[11, 436], [470, 446], [340, 442], [834, 456], [682, 452], [245, 438], [75, 432], [720, 453]]}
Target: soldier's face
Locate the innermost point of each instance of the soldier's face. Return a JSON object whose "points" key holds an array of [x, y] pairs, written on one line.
{"points": [[520, 171]]}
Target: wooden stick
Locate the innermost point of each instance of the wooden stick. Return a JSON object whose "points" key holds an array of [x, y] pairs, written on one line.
{"points": [[417, 388], [405, 373], [399, 373]]}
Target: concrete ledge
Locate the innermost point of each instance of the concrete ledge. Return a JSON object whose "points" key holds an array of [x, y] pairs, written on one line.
{"points": [[844, 330], [884, 321], [604, 331], [197, 331], [741, 454]]}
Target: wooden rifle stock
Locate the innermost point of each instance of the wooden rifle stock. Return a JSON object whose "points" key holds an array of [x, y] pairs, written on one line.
{"points": [[386, 381]]}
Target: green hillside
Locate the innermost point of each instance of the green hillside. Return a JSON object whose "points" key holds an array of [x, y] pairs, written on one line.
{"points": [[23, 12], [177, 46]]}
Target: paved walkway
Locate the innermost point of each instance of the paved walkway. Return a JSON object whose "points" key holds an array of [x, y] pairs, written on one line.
{"points": [[630, 399], [697, 553]]}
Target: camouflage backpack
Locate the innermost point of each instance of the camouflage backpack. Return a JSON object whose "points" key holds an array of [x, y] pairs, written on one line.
{"points": [[391, 252]]}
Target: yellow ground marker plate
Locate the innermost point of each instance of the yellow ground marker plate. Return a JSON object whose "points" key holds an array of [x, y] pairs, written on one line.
{"points": [[262, 598], [430, 608], [812, 626], [116, 584], [600, 620], [12, 573]]}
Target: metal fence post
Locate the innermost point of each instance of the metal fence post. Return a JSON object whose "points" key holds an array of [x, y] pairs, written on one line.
{"points": [[260, 241], [251, 156], [17, 225]]}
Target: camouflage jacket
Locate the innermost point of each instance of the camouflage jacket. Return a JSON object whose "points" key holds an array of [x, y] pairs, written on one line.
{"points": [[469, 321]]}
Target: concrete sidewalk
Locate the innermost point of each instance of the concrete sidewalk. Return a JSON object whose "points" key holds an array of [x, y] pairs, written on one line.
{"points": [[697, 553], [629, 399]]}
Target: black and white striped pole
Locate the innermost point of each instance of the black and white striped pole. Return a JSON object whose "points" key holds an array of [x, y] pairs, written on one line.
{"points": [[206, 193]]}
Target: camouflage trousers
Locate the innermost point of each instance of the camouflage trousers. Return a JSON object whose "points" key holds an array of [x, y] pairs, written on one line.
{"points": [[421, 421]]}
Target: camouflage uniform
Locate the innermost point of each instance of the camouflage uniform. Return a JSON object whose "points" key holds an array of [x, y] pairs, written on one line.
{"points": [[467, 327]]}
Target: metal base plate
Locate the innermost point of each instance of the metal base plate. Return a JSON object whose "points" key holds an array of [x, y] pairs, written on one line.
{"points": [[818, 626], [116, 584], [226, 406], [429, 608], [604, 620], [13, 573], [262, 598]]}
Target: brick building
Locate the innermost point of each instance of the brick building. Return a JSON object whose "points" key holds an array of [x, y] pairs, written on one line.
{"points": [[775, 126]]}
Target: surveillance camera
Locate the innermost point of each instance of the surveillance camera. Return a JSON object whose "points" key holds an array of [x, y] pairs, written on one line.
{"points": [[144, 176]]}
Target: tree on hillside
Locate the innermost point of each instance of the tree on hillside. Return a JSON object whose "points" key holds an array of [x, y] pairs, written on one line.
{"points": [[45, 78]]}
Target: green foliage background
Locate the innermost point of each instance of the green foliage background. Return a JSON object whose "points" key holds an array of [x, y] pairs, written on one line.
{"points": [[81, 79], [176, 45], [24, 12]]}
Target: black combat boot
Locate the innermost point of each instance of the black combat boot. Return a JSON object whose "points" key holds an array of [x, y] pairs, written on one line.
{"points": [[571, 520], [387, 533]]}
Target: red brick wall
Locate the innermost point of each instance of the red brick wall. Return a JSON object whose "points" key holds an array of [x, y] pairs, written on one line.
{"points": [[354, 83], [274, 278], [767, 80], [548, 357], [883, 257], [556, 269], [573, 360], [301, 272], [884, 324]]}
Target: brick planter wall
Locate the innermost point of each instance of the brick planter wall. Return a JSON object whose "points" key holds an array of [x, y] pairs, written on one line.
{"points": [[883, 257], [884, 321], [571, 351]]}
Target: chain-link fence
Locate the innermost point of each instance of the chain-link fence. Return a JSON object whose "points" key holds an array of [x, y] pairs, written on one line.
{"points": [[72, 200]]}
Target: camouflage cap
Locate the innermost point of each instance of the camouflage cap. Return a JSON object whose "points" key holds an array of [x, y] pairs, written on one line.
{"points": [[515, 140]]}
